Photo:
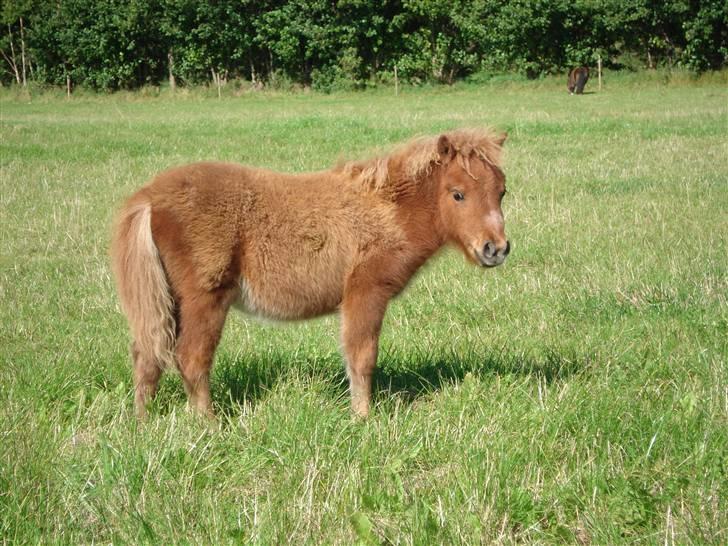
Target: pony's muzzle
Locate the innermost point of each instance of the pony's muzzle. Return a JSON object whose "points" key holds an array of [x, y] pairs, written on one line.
{"points": [[491, 255]]}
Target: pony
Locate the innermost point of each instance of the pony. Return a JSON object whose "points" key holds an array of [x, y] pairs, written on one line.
{"points": [[204, 237], [577, 80]]}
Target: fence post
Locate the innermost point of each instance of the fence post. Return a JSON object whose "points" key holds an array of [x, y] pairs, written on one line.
{"points": [[599, 71]]}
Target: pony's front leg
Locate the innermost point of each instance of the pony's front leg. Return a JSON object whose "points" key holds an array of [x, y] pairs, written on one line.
{"points": [[361, 322]]}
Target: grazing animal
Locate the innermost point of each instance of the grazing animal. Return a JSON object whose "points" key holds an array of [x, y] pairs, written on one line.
{"points": [[201, 238], [577, 80]]}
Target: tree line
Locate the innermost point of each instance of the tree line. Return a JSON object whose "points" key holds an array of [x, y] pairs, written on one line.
{"points": [[328, 44]]}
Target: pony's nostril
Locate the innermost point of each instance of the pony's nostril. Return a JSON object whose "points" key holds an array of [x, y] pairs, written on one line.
{"points": [[489, 250], [507, 249]]}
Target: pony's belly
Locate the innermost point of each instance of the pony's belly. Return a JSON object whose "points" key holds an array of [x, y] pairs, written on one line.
{"points": [[288, 302]]}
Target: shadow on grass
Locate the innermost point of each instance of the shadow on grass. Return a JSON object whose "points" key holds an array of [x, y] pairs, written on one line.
{"points": [[247, 380]]}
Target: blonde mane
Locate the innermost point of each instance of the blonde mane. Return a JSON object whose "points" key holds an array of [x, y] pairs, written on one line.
{"points": [[414, 160]]}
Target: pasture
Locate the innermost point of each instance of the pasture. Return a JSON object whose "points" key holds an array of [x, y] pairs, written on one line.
{"points": [[576, 394]]}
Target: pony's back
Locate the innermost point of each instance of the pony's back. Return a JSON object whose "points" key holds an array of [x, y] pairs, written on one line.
{"points": [[577, 80], [581, 78]]}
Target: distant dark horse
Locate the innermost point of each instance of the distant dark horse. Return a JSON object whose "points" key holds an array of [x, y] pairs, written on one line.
{"points": [[577, 80]]}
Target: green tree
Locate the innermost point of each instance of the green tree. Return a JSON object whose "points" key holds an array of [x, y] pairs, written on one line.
{"points": [[706, 36], [112, 44]]}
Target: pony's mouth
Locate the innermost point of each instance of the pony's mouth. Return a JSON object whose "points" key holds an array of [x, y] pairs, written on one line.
{"points": [[489, 261]]}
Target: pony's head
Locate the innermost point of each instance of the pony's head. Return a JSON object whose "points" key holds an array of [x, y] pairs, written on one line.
{"points": [[470, 190], [463, 168]]}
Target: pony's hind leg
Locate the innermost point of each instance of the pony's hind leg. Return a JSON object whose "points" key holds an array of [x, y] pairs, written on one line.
{"points": [[201, 320], [147, 372]]}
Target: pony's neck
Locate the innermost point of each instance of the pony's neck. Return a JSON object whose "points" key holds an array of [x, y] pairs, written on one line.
{"points": [[418, 212]]}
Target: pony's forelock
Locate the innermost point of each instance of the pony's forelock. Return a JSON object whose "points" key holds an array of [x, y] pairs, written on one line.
{"points": [[415, 159]]}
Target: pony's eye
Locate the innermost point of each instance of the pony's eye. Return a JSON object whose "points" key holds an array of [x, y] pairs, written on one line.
{"points": [[458, 196]]}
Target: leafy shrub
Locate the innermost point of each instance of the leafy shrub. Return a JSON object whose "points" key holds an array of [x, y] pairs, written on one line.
{"points": [[118, 44]]}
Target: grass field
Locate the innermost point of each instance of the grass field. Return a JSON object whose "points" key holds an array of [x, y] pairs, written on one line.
{"points": [[577, 394]]}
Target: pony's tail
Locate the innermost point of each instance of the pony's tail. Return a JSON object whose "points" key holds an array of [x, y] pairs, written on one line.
{"points": [[142, 284]]}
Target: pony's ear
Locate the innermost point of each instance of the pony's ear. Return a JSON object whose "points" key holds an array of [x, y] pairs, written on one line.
{"points": [[499, 140], [445, 148]]}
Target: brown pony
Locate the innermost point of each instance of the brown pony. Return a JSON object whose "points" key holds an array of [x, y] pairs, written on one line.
{"points": [[577, 80], [201, 238]]}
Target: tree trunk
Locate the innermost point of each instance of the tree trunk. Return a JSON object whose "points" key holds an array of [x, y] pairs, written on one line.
{"points": [[170, 64], [218, 82], [11, 60], [22, 52]]}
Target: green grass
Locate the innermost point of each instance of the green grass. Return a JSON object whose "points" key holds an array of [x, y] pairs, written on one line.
{"points": [[578, 394]]}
